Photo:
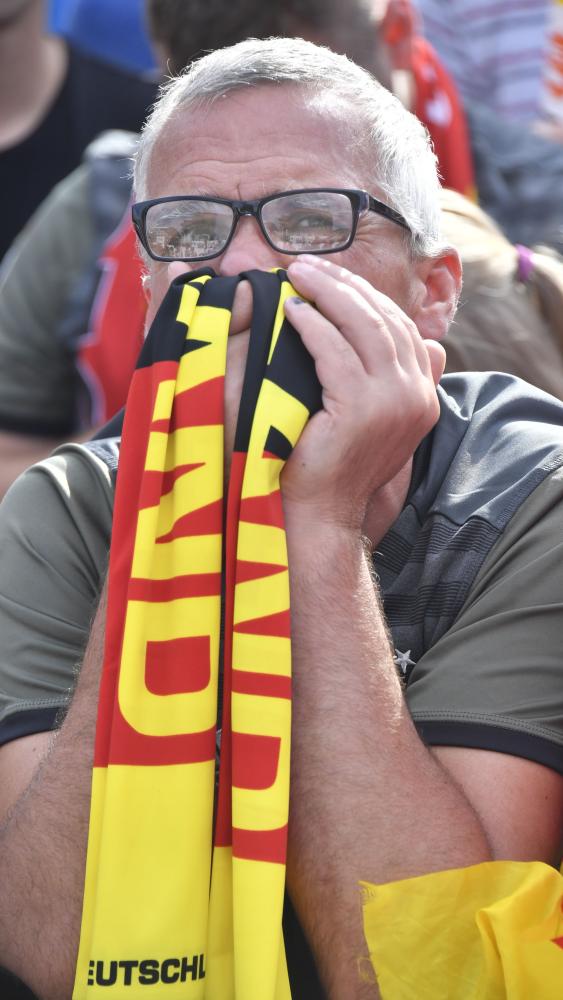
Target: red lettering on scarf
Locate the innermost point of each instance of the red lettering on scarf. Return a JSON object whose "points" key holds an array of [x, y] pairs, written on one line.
{"points": [[178, 666], [261, 845], [277, 624], [255, 761], [202, 521]]}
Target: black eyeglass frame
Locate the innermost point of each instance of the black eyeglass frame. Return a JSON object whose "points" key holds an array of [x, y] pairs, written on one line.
{"points": [[361, 202]]}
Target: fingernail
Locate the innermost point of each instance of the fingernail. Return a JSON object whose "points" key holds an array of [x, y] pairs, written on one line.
{"points": [[296, 301]]}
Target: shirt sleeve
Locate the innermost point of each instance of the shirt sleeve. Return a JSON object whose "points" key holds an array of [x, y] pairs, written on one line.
{"points": [[37, 375], [55, 525], [494, 681]]}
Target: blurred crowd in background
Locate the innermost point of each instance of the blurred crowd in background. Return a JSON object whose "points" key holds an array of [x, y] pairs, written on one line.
{"points": [[76, 80]]}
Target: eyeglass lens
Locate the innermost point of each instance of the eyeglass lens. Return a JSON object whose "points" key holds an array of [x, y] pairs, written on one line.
{"points": [[188, 228], [312, 221], [294, 223]]}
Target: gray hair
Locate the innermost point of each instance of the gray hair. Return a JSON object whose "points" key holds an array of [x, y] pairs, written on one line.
{"points": [[392, 139]]}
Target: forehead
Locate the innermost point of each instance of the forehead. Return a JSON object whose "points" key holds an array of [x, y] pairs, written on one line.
{"points": [[260, 140]]}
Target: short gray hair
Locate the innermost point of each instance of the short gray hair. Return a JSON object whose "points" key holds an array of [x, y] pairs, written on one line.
{"points": [[404, 164]]}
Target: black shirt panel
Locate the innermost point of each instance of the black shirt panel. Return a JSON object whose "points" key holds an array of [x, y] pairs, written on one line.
{"points": [[93, 97]]}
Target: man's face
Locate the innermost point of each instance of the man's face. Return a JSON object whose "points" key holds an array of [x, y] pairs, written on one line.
{"points": [[259, 142], [263, 141]]}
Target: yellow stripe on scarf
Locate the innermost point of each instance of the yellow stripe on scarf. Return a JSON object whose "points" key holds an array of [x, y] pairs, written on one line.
{"points": [[492, 931]]}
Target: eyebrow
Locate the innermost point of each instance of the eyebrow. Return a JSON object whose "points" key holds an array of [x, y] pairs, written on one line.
{"points": [[199, 193]]}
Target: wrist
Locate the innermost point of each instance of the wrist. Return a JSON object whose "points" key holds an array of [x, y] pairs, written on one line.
{"points": [[323, 520], [314, 540]]}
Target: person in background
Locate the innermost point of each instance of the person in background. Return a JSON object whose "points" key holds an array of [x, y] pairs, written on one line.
{"points": [[114, 32], [53, 101], [551, 98], [427, 89], [498, 55], [510, 313], [495, 52]]}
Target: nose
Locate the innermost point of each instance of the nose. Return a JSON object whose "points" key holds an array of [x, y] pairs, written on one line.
{"points": [[248, 249]]}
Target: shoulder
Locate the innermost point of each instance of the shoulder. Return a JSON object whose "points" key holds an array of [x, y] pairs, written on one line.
{"points": [[36, 282], [494, 679], [497, 396], [496, 440], [73, 491], [55, 528]]}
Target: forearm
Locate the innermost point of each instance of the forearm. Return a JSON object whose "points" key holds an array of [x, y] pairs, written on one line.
{"points": [[368, 800], [43, 846]]}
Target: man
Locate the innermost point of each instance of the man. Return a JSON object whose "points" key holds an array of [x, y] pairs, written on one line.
{"points": [[53, 101], [426, 487]]}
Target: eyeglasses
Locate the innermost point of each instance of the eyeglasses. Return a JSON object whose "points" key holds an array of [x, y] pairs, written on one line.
{"points": [[313, 220]]}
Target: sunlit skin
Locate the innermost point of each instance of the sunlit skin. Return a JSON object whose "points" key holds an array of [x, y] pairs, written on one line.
{"points": [[254, 143], [32, 69], [11, 10]]}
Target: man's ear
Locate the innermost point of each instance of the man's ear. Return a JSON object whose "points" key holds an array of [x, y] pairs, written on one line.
{"points": [[436, 306]]}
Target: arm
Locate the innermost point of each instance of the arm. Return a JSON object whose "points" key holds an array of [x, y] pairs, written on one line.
{"points": [[368, 799], [36, 375], [43, 838], [18, 452], [362, 783], [51, 574]]}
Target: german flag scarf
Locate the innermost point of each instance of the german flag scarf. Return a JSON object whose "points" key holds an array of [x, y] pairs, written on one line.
{"points": [[185, 880]]}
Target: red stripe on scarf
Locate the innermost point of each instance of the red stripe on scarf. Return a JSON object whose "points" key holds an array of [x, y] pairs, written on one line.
{"points": [[196, 585], [156, 485], [261, 845], [196, 407], [266, 685], [278, 625], [178, 666]]}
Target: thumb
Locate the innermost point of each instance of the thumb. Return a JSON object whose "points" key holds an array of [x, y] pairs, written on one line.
{"points": [[437, 358]]}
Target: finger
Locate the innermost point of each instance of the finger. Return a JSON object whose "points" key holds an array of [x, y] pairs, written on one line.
{"points": [[375, 326], [241, 312], [342, 274], [322, 278], [436, 358], [431, 363], [336, 362], [345, 308]]}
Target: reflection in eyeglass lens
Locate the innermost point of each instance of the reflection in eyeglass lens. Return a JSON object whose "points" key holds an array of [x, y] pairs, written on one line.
{"points": [[188, 228], [313, 221], [293, 222]]}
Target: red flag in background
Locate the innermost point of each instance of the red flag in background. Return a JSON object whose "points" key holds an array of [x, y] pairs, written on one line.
{"points": [[435, 99]]}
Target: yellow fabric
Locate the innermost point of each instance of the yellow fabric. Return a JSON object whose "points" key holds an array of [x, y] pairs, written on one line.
{"points": [[488, 932], [175, 899]]}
